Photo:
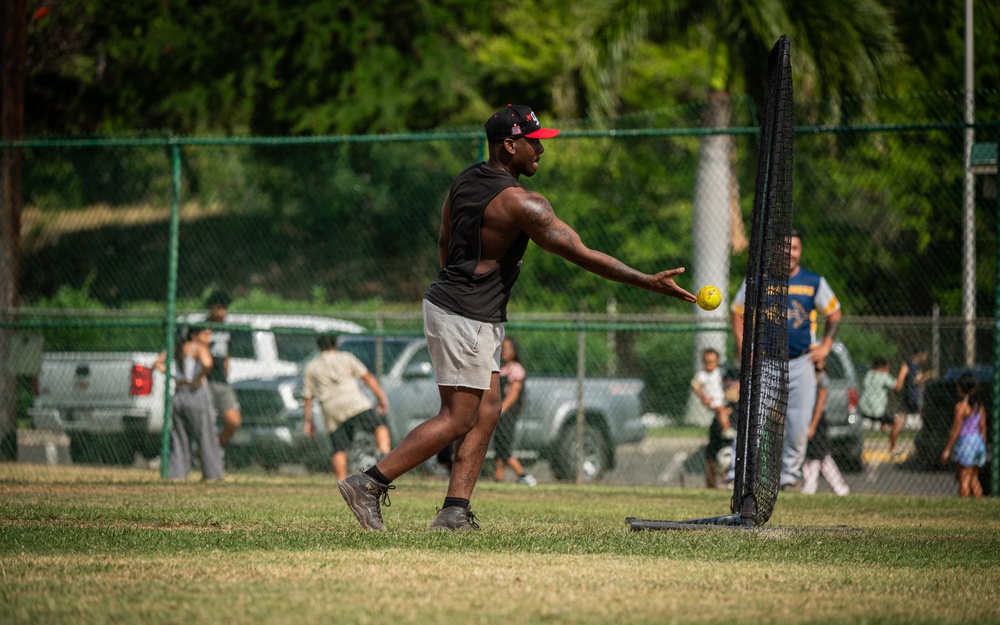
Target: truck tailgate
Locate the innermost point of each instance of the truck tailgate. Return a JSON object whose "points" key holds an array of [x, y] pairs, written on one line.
{"points": [[80, 380]]}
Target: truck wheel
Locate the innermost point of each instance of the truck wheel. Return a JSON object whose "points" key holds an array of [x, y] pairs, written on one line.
{"points": [[90, 448], [81, 451], [596, 457], [237, 457], [151, 446]]}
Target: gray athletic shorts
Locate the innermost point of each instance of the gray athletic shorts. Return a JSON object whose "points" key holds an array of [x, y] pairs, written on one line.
{"points": [[223, 397], [464, 352]]}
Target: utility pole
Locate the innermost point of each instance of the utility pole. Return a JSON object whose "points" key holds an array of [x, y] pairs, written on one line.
{"points": [[969, 209]]}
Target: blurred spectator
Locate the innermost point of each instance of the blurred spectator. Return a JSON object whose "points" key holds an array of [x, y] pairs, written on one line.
{"points": [[874, 402], [818, 458], [223, 396], [332, 377], [731, 385], [913, 393], [512, 379], [708, 386], [967, 438], [809, 299], [192, 414]]}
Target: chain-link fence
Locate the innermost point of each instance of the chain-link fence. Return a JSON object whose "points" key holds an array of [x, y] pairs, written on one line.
{"points": [[122, 237]]}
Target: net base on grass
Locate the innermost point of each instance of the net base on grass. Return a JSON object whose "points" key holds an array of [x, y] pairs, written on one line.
{"points": [[727, 520]]}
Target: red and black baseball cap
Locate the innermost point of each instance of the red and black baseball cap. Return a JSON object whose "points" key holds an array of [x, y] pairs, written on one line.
{"points": [[516, 121]]}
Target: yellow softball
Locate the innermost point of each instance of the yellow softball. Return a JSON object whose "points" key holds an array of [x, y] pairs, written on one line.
{"points": [[709, 297]]}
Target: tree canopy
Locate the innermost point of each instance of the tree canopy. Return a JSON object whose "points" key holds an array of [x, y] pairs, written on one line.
{"points": [[329, 67], [273, 67]]}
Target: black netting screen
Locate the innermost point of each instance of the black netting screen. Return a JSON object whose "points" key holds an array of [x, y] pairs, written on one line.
{"points": [[764, 371]]}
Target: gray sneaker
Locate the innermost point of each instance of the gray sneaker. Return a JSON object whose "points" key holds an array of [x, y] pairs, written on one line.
{"points": [[454, 518], [363, 495]]}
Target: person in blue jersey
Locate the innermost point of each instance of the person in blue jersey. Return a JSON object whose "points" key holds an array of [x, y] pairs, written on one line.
{"points": [[809, 299], [487, 221]]}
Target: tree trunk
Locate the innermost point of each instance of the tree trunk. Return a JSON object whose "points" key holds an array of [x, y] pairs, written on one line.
{"points": [[712, 232], [13, 24]]}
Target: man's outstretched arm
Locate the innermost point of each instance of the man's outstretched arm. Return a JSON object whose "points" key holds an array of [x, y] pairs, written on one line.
{"points": [[537, 218]]}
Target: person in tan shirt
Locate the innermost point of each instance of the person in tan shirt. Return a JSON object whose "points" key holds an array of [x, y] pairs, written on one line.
{"points": [[332, 378]]}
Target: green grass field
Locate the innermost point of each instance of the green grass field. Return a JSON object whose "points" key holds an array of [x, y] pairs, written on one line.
{"points": [[91, 545]]}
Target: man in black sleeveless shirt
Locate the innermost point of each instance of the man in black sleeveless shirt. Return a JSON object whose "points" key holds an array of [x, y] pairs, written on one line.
{"points": [[487, 221]]}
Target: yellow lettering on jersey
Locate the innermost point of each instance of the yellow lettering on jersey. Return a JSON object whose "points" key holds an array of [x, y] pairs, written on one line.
{"points": [[801, 289]]}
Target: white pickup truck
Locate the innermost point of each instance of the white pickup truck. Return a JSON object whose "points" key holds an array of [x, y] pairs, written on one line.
{"points": [[110, 404]]}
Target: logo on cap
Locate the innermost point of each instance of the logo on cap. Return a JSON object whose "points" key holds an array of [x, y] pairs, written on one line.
{"points": [[517, 121]]}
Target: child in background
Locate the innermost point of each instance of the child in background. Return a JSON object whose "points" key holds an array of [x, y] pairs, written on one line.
{"points": [[708, 386], [818, 458], [967, 437], [874, 402]]}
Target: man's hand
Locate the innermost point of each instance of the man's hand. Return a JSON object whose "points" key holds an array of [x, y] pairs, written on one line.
{"points": [[663, 282], [819, 353]]}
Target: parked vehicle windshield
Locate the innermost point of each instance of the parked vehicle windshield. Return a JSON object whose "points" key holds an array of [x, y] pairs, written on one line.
{"points": [[241, 344], [294, 347], [364, 349]]}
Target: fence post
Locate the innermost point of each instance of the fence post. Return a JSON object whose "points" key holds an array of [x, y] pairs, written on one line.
{"points": [[936, 338], [379, 347], [612, 337], [175, 210], [995, 425]]}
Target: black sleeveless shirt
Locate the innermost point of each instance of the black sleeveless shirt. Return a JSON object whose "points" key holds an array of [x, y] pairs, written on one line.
{"points": [[458, 288]]}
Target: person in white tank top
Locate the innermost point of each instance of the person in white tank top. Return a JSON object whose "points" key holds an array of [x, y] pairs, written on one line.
{"points": [[192, 414]]}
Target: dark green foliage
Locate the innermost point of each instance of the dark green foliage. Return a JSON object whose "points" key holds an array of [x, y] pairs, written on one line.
{"points": [[77, 302], [267, 67]]}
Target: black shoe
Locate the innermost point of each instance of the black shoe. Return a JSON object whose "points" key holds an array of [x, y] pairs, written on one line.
{"points": [[454, 518], [363, 495]]}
